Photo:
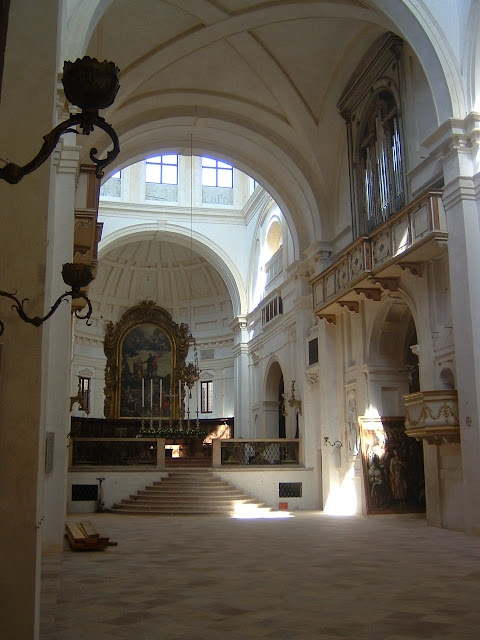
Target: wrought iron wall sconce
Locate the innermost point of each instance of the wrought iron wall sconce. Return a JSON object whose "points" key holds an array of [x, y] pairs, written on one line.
{"points": [[74, 275], [336, 444], [90, 85], [293, 401]]}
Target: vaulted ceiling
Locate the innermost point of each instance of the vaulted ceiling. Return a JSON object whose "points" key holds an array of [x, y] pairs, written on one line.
{"points": [[255, 83], [171, 274]]}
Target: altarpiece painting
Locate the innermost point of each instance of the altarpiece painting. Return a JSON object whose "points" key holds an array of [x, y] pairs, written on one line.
{"points": [[146, 353]]}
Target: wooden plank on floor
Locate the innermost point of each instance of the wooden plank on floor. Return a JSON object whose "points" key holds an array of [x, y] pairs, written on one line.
{"points": [[89, 529], [84, 535], [75, 533]]}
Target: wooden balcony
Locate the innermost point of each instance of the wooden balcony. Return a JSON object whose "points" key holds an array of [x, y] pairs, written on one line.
{"points": [[373, 264]]}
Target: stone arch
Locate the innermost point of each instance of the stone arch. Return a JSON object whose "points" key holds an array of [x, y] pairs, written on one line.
{"points": [[200, 243], [258, 153], [389, 356], [472, 58], [274, 386], [415, 24], [413, 21]]}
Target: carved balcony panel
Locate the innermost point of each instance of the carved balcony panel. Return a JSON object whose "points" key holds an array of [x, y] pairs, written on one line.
{"points": [[433, 416], [417, 233]]}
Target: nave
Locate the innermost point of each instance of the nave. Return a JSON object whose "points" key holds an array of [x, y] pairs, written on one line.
{"points": [[304, 577]]}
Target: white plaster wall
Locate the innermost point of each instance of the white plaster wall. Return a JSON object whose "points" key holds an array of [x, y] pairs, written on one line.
{"points": [[451, 487], [116, 486], [264, 485]]}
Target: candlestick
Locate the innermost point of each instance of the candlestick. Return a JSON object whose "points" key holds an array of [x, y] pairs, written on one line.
{"points": [[151, 396], [160, 403], [161, 398], [180, 405], [143, 393]]}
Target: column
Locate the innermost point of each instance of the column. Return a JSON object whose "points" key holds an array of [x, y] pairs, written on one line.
{"points": [[27, 110], [241, 387], [457, 142], [57, 346]]}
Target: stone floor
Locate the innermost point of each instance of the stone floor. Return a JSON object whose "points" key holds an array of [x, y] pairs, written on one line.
{"points": [[300, 578]]}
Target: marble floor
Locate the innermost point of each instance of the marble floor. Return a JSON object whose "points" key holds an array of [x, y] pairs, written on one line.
{"points": [[300, 578]]}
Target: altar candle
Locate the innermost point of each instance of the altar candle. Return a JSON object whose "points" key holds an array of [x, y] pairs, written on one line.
{"points": [[143, 392], [151, 395], [161, 397], [179, 394]]}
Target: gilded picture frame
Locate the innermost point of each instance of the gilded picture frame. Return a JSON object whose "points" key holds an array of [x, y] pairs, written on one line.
{"points": [[146, 353]]}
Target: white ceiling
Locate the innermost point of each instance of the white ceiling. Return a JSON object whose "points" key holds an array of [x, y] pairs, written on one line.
{"points": [[166, 272], [256, 83]]}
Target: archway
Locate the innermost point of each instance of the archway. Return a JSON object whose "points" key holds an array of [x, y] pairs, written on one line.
{"points": [[273, 405], [392, 462]]}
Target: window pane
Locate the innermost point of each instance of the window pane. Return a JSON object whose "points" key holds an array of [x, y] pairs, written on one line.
{"points": [[224, 165], [208, 162], [117, 175], [170, 159], [155, 159], [206, 397], [169, 174], [225, 178], [209, 177], [152, 172]]}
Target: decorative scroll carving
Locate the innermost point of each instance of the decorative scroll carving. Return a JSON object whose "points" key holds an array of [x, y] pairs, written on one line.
{"points": [[330, 318], [146, 313], [353, 435], [351, 305], [415, 268], [312, 377], [389, 284], [433, 416], [370, 293]]}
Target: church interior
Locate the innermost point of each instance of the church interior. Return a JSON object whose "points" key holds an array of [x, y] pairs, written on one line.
{"points": [[269, 224]]}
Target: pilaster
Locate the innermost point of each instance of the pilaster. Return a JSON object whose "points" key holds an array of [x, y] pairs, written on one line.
{"points": [[456, 144], [241, 390], [57, 344]]}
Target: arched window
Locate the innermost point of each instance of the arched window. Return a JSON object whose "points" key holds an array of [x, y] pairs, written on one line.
{"points": [[274, 237], [379, 176]]}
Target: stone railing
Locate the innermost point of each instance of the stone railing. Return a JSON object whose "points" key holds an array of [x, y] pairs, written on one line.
{"points": [[275, 265], [254, 453], [433, 416], [114, 452], [418, 224]]}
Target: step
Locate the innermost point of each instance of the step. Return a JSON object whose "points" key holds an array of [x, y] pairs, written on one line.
{"points": [[218, 501], [187, 492]]}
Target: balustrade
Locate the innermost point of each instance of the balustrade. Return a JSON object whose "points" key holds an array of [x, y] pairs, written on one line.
{"points": [[365, 266], [239, 452]]}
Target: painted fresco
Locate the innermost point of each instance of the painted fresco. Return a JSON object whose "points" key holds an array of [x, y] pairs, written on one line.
{"points": [[393, 467]]}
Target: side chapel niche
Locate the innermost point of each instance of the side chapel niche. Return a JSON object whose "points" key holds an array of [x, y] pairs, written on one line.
{"points": [[146, 352]]}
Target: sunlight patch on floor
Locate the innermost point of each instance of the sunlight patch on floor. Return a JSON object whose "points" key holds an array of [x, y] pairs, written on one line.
{"points": [[253, 511]]}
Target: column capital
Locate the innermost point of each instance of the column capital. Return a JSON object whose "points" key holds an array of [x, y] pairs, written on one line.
{"points": [[238, 324], [453, 144]]}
